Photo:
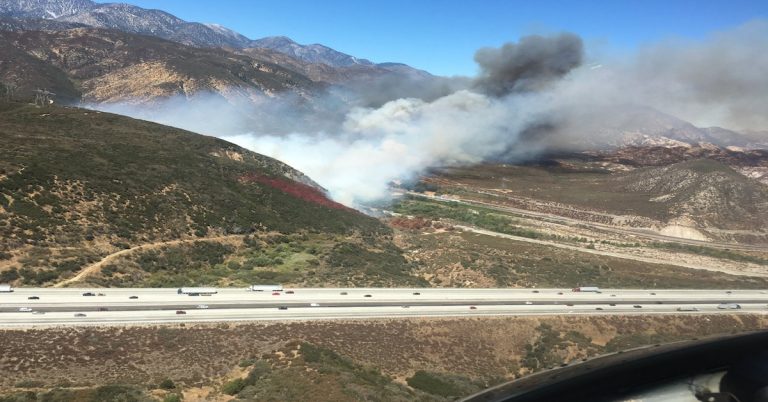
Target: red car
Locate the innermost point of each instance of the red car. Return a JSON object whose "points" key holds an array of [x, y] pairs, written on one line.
{"points": [[275, 293]]}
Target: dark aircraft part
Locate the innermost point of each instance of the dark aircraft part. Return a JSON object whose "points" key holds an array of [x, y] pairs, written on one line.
{"points": [[735, 368]]}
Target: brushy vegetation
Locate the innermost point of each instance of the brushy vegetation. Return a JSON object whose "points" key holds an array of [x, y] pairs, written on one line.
{"points": [[445, 385], [476, 216], [295, 259], [106, 393], [710, 252], [76, 178], [506, 263]]}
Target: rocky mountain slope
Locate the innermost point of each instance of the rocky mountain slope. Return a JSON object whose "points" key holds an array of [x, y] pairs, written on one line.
{"points": [[77, 185], [96, 65], [137, 20], [702, 193]]}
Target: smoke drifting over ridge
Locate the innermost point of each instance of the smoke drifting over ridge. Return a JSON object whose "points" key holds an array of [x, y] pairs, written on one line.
{"points": [[530, 97]]}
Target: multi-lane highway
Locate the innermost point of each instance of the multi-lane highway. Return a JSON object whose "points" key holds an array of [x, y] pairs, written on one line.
{"points": [[45, 306]]}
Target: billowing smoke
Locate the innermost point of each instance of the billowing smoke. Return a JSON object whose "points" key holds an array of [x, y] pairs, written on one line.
{"points": [[530, 65], [530, 97]]}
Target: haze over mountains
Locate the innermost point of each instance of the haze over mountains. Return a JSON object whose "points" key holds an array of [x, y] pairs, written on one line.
{"points": [[388, 120]]}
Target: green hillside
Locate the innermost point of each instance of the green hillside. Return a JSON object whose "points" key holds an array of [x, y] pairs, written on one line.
{"points": [[77, 185]]}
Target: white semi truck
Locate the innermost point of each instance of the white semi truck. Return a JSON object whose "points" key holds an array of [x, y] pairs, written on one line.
{"points": [[266, 288], [197, 291], [593, 289]]}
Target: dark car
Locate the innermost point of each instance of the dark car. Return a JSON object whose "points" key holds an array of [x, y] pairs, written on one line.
{"points": [[612, 304], [599, 308], [637, 306], [472, 308], [367, 296], [343, 293], [134, 297], [33, 298], [89, 294], [181, 312], [282, 308], [535, 291], [103, 309], [80, 315], [289, 292], [569, 304], [416, 294]]}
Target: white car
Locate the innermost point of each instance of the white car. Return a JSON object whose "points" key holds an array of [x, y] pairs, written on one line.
{"points": [[314, 304], [38, 312], [25, 309], [202, 306], [528, 303]]}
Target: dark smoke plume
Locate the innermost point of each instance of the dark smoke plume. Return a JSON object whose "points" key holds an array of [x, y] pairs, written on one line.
{"points": [[530, 65]]}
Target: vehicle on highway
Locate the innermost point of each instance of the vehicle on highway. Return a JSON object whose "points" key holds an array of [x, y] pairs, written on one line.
{"points": [[33, 298], [5, 288], [728, 292], [101, 294], [594, 289], [472, 308], [613, 295], [599, 308], [687, 309], [38, 312], [89, 294], [569, 304], [367, 296], [612, 304], [275, 293], [729, 306], [134, 297], [528, 303], [103, 309], [653, 294], [535, 291], [80, 315], [406, 306], [343, 293], [289, 292], [560, 293], [637, 306], [181, 312], [202, 306], [283, 308], [266, 288], [314, 304], [25, 309], [197, 291], [416, 294]]}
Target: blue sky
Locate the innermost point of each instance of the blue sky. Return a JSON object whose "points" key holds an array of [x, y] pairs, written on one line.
{"points": [[442, 36]]}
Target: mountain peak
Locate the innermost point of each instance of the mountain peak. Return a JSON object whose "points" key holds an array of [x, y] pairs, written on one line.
{"points": [[314, 53], [46, 9]]}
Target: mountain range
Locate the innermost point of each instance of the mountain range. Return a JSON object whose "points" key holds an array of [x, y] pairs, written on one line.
{"points": [[112, 52], [133, 19]]}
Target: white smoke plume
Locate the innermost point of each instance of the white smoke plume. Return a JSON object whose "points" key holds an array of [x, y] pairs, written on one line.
{"points": [[530, 97]]}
